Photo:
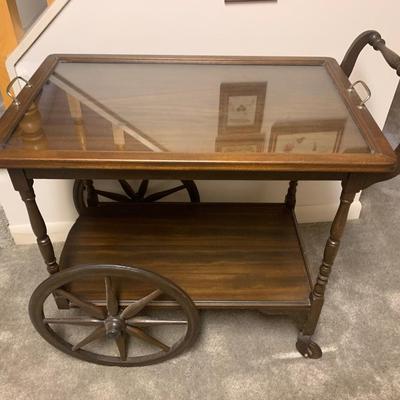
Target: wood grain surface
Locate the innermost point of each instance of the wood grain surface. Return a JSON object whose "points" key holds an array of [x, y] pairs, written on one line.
{"points": [[220, 254]]}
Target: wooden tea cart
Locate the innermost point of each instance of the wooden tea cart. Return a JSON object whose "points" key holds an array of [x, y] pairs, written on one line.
{"points": [[131, 263]]}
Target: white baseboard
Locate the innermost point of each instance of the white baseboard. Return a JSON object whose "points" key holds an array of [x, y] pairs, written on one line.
{"points": [[22, 234], [325, 212], [58, 231]]}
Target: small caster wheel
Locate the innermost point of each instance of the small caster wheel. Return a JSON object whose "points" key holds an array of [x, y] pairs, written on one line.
{"points": [[307, 348]]}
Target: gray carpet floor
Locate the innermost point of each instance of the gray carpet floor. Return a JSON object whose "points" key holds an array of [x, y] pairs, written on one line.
{"points": [[239, 355]]}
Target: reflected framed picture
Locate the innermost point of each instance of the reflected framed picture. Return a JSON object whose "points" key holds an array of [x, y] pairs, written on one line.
{"points": [[241, 107], [240, 143], [311, 136]]}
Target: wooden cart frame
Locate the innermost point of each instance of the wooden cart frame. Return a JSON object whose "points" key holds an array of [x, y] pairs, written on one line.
{"points": [[115, 316]]}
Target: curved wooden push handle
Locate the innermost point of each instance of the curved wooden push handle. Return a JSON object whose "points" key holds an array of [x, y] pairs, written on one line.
{"points": [[374, 39]]}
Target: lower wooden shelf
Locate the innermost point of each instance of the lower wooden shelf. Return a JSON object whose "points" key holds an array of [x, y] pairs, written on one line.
{"points": [[222, 254]]}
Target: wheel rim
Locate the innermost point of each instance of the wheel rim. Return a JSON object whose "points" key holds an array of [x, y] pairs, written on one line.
{"points": [[114, 323], [82, 188]]}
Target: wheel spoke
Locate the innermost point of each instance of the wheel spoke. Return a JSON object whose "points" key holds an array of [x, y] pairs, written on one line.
{"points": [[89, 308], [128, 189], [143, 188], [111, 297], [73, 321], [139, 333], [160, 195], [122, 344], [112, 196], [146, 321], [138, 306], [96, 334], [193, 191]]}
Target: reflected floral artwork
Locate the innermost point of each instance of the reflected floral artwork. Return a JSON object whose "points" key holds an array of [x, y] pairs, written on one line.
{"points": [[241, 114], [241, 107], [300, 137]]}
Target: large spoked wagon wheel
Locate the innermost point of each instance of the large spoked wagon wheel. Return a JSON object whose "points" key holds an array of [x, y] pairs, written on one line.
{"points": [[123, 331], [85, 194]]}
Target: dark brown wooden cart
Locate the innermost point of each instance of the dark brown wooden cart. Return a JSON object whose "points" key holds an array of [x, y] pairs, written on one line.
{"points": [[131, 263]]}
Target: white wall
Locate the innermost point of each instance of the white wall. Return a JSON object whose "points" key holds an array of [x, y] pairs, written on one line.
{"points": [[285, 27]]}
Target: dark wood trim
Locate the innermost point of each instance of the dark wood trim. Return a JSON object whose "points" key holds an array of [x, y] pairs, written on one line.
{"points": [[190, 59], [146, 161], [181, 174]]}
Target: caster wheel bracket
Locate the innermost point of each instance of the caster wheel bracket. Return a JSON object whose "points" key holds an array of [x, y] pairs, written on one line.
{"points": [[307, 348]]}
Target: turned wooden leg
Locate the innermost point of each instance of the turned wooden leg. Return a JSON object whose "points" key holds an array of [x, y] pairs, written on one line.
{"points": [[290, 198], [25, 188], [304, 343]]}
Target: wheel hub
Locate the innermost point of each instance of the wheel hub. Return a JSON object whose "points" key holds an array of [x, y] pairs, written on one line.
{"points": [[114, 327]]}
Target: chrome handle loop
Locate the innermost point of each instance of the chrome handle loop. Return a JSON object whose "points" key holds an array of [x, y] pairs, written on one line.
{"points": [[364, 85], [10, 85]]}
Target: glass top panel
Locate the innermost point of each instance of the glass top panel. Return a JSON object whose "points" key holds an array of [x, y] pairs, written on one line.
{"points": [[190, 108]]}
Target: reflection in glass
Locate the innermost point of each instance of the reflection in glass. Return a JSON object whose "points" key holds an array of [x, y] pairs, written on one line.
{"points": [[236, 143], [76, 115], [119, 137], [241, 107], [241, 115], [31, 130], [299, 137], [193, 108], [77, 96]]}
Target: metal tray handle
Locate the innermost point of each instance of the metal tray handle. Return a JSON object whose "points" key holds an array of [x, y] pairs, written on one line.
{"points": [[10, 93], [364, 85]]}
